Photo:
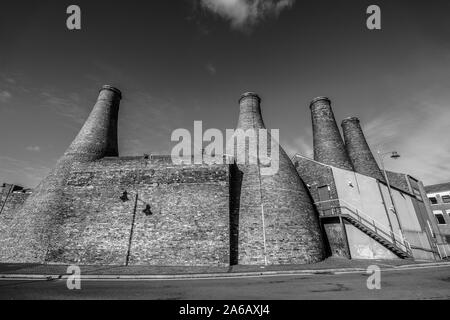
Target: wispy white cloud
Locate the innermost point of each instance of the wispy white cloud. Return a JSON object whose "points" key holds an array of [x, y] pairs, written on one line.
{"points": [[33, 148], [5, 96], [70, 106], [418, 131], [22, 172], [243, 14], [10, 80], [149, 122], [211, 68], [300, 145]]}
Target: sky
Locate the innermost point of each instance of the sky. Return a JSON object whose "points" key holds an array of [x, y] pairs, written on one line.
{"points": [[180, 61]]}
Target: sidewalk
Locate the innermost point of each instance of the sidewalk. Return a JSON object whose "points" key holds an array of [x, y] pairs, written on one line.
{"points": [[328, 266]]}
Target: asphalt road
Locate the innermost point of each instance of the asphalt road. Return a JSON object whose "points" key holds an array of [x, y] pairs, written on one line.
{"points": [[429, 283]]}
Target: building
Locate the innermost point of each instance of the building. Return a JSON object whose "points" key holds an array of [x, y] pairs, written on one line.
{"points": [[12, 197], [439, 198], [361, 214], [97, 207]]}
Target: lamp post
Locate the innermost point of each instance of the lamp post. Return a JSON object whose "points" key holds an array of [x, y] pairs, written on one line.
{"points": [[393, 155], [147, 211]]}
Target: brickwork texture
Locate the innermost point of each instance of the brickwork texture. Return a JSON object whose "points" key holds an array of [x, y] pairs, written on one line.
{"points": [[359, 151], [98, 208]]}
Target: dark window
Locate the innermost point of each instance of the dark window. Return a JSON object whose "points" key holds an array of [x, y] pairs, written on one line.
{"points": [[440, 218], [433, 200], [446, 199], [447, 238]]}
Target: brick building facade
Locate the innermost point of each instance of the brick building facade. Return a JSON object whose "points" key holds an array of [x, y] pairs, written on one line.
{"points": [[439, 197], [96, 207]]}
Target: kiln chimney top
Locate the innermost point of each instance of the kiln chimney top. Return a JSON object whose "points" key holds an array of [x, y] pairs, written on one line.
{"points": [[113, 89], [250, 94]]}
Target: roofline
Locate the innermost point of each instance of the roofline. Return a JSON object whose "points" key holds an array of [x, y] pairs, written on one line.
{"points": [[354, 172]]}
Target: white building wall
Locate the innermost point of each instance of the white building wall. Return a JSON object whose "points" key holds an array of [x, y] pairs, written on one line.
{"points": [[372, 199]]}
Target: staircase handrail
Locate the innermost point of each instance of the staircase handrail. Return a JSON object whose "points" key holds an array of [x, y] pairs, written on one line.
{"points": [[371, 223]]}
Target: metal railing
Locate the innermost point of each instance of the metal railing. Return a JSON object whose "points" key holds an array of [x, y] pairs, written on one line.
{"points": [[343, 207], [443, 250]]}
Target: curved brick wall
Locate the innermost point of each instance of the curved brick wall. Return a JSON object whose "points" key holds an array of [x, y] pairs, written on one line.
{"points": [[279, 203], [359, 151], [328, 145], [36, 231], [98, 137]]}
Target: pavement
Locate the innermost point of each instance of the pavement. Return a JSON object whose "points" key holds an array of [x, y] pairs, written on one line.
{"points": [[330, 265], [430, 281]]}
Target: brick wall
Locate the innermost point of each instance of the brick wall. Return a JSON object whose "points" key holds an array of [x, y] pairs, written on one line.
{"points": [[329, 147], [11, 203], [189, 224], [359, 151], [318, 175]]}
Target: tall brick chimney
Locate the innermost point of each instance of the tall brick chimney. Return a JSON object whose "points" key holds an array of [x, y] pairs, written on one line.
{"points": [[38, 224], [98, 137], [273, 219], [250, 112], [328, 145], [359, 151]]}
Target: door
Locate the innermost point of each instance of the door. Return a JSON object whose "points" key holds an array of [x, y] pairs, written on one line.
{"points": [[325, 208]]}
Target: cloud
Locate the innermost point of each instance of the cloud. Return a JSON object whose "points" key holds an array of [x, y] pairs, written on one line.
{"points": [[5, 96], [22, 172], [10, 80], [301, 145], [149, 122], [34, 148], [418, 131], [211, 69], [69, 106], [244, 14]]}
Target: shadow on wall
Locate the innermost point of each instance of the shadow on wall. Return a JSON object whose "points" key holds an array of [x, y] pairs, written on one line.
{"points": [[236, 177]]}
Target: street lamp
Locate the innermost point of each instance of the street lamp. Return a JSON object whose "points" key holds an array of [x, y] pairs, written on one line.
{"points": [[394, 155], [147, 211]]}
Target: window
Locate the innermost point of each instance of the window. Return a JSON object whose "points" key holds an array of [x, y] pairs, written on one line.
{"points": [[448, 212], [446, 198], [439, 217], [433, 200]]}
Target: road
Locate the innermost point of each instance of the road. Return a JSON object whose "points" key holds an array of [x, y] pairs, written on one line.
{"points": [[421, 283]]}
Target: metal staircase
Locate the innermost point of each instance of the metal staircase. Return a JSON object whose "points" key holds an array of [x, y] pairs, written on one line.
{"points": [[377, 231]]}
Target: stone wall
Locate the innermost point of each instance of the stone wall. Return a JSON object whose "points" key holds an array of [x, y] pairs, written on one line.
{"points": [[318, 175], [359, 151], [315, 175], [187, 222], [10, 203], [278, 223], [328, 145]]}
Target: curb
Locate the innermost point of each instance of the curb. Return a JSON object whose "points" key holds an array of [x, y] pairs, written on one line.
{"points": [[181, 276], [219, 275]]}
